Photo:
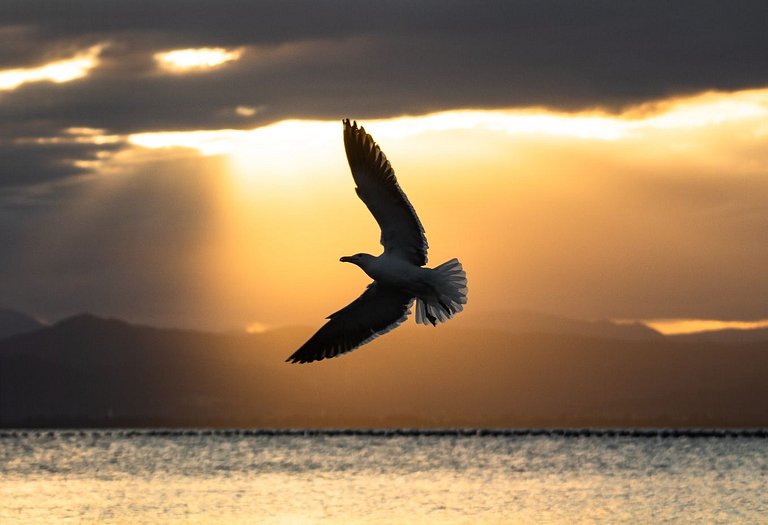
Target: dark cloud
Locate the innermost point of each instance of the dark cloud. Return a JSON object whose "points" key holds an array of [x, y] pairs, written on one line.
{"points": [[420, 56], [32, 163], [370, 59]]}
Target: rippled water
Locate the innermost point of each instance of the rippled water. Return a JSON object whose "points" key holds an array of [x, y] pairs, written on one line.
{"points": [[246, 477]]}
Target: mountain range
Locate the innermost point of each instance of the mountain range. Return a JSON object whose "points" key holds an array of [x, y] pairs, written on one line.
{"points": [[13, 322], [499, 370]]}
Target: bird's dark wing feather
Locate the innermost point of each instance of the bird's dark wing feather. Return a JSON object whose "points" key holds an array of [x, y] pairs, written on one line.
{"points": [[377, 311], [401, 231]]}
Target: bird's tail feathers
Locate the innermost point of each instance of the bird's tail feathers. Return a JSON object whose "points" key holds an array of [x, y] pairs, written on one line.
{"points": [[450, 286]]}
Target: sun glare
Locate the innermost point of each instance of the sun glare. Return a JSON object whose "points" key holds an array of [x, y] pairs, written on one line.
{"points": [[703, 110], [533, 122], [283, 137], [288, 150], [57, 72], [288, 140], [206, 142], [196, 59], [292, 155]]}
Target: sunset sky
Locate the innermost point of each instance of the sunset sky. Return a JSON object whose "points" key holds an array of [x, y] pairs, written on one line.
{"points": [[181, 162]]}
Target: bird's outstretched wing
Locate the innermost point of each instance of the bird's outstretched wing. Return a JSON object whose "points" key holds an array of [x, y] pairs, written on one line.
{"points": [[377, 311], [401, 231]]}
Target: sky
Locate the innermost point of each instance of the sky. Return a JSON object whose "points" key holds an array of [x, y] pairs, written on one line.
{"points": [[181, 162]]}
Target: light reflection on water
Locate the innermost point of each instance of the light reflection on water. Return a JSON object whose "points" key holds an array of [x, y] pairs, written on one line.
{"points": [[202, 478]]}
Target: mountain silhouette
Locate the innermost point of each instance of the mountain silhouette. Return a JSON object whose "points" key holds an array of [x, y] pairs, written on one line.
{"points": [[91, 371], [13, 322]]}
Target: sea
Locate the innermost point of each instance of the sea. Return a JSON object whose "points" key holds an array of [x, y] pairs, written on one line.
{"points": [[242, 476]]}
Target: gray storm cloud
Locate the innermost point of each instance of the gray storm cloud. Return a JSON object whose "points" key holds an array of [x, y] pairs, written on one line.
{"points": [[369, 59]]}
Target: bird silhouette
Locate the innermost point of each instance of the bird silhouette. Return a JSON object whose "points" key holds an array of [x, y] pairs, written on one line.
{"points": [[399, 274]]}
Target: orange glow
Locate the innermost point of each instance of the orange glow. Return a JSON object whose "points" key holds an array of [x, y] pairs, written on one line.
{"points": [[586, 214]]}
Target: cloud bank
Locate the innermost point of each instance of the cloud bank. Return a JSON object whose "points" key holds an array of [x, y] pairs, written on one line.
{"points": [[367, 59]]}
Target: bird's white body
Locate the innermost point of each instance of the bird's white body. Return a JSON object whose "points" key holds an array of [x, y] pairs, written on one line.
{"points": [[440, 292]]}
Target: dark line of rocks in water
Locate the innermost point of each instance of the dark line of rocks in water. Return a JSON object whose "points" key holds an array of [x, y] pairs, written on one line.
{"points": [[567, 433]]}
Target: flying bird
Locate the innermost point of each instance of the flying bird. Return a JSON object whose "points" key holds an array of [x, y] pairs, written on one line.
{"points": [[399, 274]]}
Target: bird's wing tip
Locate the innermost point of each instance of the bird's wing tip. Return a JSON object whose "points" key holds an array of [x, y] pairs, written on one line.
{"points": [[350, 124], [296, 359]]}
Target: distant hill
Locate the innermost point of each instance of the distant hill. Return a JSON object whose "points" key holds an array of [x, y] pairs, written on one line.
{"points": [[89, 371], [523, 321], [13, 322]]}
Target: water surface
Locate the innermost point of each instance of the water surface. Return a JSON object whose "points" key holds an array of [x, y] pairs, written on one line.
{"points": [[238, 477]]}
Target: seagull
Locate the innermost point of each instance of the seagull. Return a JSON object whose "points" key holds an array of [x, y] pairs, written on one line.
{"points": [[399, 274]]}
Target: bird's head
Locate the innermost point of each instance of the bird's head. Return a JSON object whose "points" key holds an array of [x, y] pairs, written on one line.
{"points": [[359, 259]]}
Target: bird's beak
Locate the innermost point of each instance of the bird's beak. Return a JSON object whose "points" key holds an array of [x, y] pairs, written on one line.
{"points": [[347, 259]]}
